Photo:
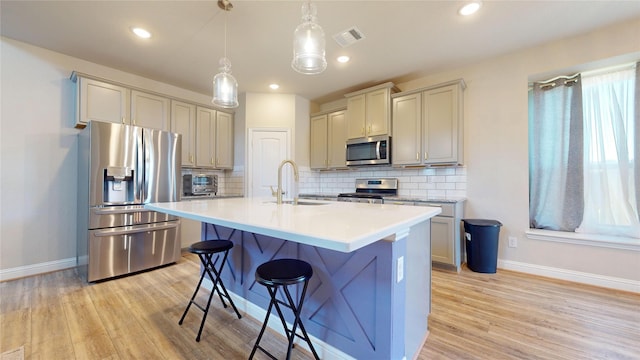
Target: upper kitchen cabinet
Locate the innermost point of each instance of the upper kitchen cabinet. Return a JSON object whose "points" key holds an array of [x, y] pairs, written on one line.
{"points": [[427, 126], [149, 111], [183, 121], [406, 145], [109, 102], [101, 101], [214, 139], [318, 142], [369, 111], [328, 139], [224, 140]]}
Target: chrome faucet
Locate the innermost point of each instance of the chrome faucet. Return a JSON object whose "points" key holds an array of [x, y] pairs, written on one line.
{"points": [[296, 177]]}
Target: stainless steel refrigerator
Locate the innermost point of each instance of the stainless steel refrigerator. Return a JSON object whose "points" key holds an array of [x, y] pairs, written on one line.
{"points": [[122, 167]]}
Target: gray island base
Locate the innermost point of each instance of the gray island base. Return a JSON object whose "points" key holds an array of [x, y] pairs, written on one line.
{"points": [[370, 302]]}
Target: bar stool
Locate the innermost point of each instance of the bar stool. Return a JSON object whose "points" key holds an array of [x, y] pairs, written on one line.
{"points": [[205, 251], [281, 273]]}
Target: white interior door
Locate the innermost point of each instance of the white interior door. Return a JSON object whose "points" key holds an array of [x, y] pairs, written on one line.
{"points": [[267, 149]]}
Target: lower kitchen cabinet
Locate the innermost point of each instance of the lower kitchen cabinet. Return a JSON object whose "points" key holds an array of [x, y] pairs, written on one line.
{"points": [[447, 244]]}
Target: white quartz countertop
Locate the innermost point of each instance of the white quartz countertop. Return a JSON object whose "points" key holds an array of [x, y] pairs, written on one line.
{"points": [[341, 226]]}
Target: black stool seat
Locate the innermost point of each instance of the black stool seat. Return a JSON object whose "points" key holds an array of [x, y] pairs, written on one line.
{"points": [[282, 273], [205, 251], [210, 246]]}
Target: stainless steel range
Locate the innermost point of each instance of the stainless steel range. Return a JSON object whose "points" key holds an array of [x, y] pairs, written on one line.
{"points": [[371, 191]]}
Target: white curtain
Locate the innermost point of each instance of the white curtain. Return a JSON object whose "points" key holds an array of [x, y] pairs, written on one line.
{"points": [[610, 166]]}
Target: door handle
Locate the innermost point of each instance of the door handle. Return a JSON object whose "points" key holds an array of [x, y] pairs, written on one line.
{"points": [[134, 230]]}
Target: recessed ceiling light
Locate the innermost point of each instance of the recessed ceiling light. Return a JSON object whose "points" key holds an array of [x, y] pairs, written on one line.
{"points": [[274, 86], [141, 32], [470, 8], [343, 59]]}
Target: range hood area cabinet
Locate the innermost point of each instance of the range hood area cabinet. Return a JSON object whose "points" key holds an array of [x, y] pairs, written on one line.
{"points": [[428, 126], [328, 139], [369, 111], [115, 103]]}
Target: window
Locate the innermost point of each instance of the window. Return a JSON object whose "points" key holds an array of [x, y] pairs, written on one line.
{"points": [[584, 160]]}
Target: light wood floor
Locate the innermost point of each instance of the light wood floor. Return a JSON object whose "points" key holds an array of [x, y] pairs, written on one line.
{"points": [[474, 316]]}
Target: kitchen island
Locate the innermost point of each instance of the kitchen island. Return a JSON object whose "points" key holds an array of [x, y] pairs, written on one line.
{"points": [[370, 293]]}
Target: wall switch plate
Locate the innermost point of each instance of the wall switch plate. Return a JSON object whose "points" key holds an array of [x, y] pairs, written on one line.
{"points": [[400, 269], [513, 242]]}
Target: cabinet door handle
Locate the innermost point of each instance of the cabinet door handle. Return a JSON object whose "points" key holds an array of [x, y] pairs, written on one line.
{"points": [[123, 119], [426, 155], [212, 163], [362, 130], [133, 121], [369, 129], [417, 156]]}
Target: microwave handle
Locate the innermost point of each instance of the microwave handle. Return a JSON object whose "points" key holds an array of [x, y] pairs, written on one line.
{"points": [[378, 149]]}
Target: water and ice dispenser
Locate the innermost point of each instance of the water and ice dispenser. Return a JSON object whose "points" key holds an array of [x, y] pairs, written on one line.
{"points": [[118, 185]]}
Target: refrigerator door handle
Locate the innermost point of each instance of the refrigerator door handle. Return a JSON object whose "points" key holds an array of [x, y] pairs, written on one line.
{"points": [[128, 230]]}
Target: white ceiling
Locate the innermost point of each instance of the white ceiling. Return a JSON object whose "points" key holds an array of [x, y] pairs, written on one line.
{"points": [[404, 39]]}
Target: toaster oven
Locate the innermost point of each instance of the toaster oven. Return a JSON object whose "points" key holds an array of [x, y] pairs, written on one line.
{"points": [[199, 184]]}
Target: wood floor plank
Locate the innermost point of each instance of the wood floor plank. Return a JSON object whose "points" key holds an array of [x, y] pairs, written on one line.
{"points": [[49, 323], [54, 348], [15, 329]]}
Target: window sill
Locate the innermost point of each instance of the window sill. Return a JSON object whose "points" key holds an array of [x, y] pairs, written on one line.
{"points": [[612, 242]]}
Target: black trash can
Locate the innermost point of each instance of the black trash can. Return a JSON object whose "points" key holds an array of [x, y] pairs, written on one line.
{"points": [[481, 238]]}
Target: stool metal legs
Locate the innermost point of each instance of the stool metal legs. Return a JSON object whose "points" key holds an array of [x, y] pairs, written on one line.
{"points": [[209, 267], [290, 333]]}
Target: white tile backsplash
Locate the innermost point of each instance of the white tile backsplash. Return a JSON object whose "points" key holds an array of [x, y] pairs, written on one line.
{"points": [[419, 183]]}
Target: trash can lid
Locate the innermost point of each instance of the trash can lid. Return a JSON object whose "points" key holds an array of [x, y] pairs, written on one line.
{"points": [[482, 222]]}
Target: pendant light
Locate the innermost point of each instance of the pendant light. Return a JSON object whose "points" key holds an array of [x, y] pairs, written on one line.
{"points": [[225, 86], [308, 43]]}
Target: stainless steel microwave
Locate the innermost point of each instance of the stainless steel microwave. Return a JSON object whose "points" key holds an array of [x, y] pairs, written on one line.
{"points": [[373, 150]]}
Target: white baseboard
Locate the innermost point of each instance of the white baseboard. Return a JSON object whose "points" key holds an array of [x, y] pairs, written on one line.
{"points": [[324, 350], [570, 275], [35, 269]]}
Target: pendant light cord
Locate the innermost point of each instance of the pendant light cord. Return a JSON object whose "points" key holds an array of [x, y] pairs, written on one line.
{"points": [[226, 10]]}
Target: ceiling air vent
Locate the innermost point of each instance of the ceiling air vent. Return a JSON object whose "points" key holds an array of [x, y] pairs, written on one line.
{"points": [[349, 36]]}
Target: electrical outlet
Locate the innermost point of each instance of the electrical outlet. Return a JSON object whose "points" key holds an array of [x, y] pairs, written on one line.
{"points": [[513, 242], [400, 269]]}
